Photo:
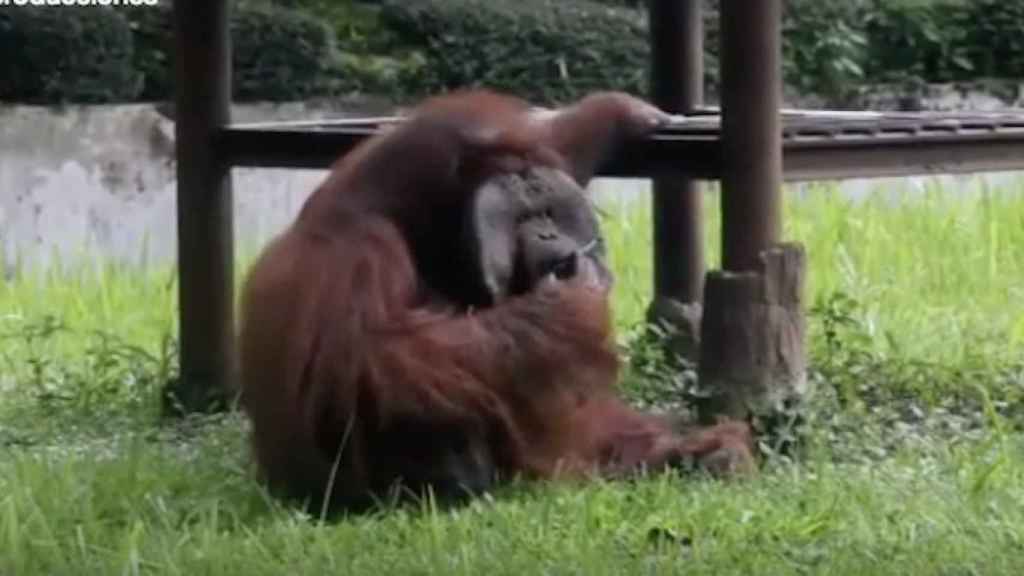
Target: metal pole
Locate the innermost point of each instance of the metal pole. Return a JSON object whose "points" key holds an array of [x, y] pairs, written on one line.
{"points": [[205, 228], [751, 130], [677, 86]]}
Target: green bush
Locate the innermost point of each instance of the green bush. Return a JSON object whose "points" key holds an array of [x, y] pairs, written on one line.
{"points": [[281, 54], [103, 55], [994, 35], [397, 77], [153, 39], [918, 39], [824, 46], [277, 54], [355, 23], [545, 50], [941, 40], [73, 54]]}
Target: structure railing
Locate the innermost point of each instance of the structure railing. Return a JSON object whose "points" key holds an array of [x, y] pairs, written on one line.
{"points": [[817, 144], [752, 325]]}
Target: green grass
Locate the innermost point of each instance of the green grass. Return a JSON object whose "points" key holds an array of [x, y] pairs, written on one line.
{"points": [[939, 259], [153, 509], [910, 465]]}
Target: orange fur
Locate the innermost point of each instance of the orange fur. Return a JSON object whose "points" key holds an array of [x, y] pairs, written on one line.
{"points": [[360, 355]]}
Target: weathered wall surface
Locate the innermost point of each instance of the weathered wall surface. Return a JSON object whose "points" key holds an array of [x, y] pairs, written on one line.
{"points": [[98, 183]]}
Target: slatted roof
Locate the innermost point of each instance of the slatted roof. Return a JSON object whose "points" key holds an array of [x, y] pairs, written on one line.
{"points": [[817, 144]]}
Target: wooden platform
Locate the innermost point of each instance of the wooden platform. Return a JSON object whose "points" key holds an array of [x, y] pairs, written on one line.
{"points": [[816, 144]]}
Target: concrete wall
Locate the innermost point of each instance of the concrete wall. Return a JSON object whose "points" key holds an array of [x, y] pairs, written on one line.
{"points": [[97, 183]]}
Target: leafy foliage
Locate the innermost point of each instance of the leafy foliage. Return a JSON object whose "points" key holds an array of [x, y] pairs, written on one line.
{"points": [[835, 44], [73, 54], [824, 47], [918, 39], [992, 34], [545, 50], [280, 54], [153, 39]]}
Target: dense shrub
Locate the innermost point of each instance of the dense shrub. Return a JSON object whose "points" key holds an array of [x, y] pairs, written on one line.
{"points": [[73, 54], [917, 39], [278, 54], [355, 23], [103, 55], [824, 46], [944, 40], [836, 47], [994, 35], [281, 54], [153, 40], [545, 50]]}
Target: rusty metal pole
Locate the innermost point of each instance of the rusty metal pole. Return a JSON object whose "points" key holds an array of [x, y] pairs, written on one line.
{"points": [[677, 86], [752, 360], [205, 228], [751, 68]]}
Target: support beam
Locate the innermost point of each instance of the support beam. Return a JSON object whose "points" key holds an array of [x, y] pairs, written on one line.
{"points": [[752, 361], [687, 154], [751, 93], [677, 86], [205, 231]]}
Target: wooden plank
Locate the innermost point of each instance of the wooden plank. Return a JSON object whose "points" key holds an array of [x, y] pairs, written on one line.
{"points": [[804, 158], [826, 159], [677, 86]]}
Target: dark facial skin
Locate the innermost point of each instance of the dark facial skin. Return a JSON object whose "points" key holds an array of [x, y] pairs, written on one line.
{"points": [[543, 249], [533, 225]]}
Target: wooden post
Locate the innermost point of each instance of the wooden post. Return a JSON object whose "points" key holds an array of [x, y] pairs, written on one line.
{"points": [[752, 357], [751, 130], [205, 230], [677, 86]]}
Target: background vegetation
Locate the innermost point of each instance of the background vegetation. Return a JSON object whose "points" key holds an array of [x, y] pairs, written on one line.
{"points": [[546, 50]]}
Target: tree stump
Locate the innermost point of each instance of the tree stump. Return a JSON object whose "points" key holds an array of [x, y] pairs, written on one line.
{"points": [[752, 360]]}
